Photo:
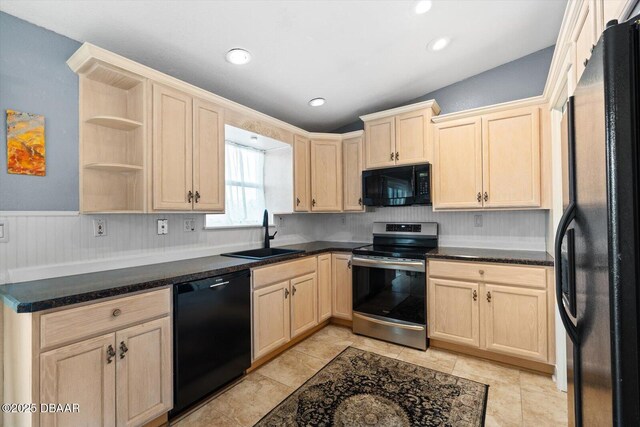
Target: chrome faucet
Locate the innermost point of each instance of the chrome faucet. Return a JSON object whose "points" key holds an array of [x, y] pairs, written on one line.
{"points": [[265, 224]]}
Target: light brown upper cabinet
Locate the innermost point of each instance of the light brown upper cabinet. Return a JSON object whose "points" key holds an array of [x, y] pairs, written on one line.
{"points": [[188, 152], [457, 164], [326, 175], [488, 161], [301, 174], [584, 36], [400, 136], [352, 175]]}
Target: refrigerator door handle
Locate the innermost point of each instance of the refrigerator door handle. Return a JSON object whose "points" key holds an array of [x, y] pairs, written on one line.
{"points": [[566, 219]]}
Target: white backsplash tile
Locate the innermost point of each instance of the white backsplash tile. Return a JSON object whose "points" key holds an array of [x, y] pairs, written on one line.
{"points": [[48, 245]]}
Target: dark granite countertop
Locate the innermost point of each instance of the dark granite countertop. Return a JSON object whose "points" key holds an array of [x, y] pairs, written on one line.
{"points": [[492, 255], [37, 295]]}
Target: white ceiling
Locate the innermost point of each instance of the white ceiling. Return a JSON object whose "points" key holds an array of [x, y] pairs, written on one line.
{"points": [[362, 56]]}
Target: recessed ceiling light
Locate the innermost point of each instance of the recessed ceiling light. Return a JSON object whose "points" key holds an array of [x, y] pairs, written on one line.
{"points": [[316, 102], [439, 44], [238, 56], [423, 6]]}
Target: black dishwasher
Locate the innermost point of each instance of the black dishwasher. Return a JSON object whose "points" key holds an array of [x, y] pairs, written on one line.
{"points": [[211, 335]]}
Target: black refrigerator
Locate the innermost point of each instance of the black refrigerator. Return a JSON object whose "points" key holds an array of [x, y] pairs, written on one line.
{"points": [[598, 238]]}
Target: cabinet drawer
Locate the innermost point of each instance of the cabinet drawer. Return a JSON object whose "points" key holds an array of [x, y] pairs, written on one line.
{"points": [[512, 275], [283, 271], [68, 325]]}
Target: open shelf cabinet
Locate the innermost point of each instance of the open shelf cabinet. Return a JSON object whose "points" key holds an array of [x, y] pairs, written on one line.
{"points": [[113, 140]]}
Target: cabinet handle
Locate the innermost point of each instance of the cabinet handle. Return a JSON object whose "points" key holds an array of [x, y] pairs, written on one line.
{"points": [[481, 271], [585, 62], [479, 197], [297, 201], [486, 196], [313, 202], [349, 265], [488, 296], [197, 196], [293, 290], [475, 295], [117, 312], [391, 156], [360, 201], [189, 196], [286, 293], [397, 156], [110, 353], [123, 349], [593, 46]]}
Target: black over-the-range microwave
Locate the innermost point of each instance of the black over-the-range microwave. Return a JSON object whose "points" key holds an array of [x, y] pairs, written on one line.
{"points": [[398, 186]]}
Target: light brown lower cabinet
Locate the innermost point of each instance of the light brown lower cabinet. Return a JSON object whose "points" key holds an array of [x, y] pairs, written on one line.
{"points": [[304, 304], [503, 309], [342, 293], [271, 327], [324, 287], [122, 377]]}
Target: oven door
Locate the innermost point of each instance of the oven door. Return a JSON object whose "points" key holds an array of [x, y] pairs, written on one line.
{"points": [[390, 288]]}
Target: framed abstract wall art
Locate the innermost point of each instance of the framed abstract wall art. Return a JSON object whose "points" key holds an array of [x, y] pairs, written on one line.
{"points": [[25, 144]]}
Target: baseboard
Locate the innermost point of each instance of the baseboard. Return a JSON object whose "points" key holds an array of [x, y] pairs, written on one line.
{"points": [[162, 420], [483, 354], [341, 322]]}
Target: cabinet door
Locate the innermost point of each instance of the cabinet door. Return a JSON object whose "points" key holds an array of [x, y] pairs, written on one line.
{"points": [[208, 156], [413, 139], [324, 287], [453, 311], [172, 149], [342, 292], [352, 176], [304, 304], [81, 373], [457, 165], [301, 174], [380, 144], [144, 372], [511, 158], [270, 318], [326, 176], [515, 321], [584, 36]]}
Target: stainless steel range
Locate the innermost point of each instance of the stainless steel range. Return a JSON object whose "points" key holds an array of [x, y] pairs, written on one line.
{"points": [[390, 283]]}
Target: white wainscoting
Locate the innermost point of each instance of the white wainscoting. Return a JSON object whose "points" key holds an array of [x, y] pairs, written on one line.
{"points": [[59, 244]]}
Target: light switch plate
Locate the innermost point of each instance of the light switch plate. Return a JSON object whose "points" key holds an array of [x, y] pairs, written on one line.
{"points": [[4, 232], [477, 220], [163, 226]]}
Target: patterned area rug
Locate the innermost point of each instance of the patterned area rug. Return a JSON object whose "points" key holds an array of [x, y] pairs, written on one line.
{"points": [[359, 388]]}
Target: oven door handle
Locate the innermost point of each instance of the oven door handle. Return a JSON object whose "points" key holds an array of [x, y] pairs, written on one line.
{"points": [[389, 265], [385, 323]]}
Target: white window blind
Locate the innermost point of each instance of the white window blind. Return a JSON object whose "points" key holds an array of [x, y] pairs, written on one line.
{"points": [[244, 187]]}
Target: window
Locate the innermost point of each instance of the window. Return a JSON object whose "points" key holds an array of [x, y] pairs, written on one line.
{"points": [[244, 187]]}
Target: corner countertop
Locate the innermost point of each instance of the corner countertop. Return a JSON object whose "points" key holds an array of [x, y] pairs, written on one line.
{"points": [[38, 295], [539, 258], [44, 294]]}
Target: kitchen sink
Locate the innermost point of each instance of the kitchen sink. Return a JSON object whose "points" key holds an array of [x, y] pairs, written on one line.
{"points": [[263, 253]]}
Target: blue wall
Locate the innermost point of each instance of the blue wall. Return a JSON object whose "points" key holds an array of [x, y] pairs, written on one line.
{"points": [[522, 78], [35, 78]]}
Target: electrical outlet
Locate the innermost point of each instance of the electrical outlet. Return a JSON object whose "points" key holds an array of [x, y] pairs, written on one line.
{"points": [[343, 219], [4, 232], [163, 226], [189, 224], [477, 220], [281, 223], [99, 227]]}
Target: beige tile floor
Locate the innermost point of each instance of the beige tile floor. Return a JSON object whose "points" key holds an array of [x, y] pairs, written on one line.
{"points": [[516, 397]]}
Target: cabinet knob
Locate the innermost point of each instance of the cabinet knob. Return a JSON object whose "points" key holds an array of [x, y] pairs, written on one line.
{"points": [[360, 201], [123, 349], [481, 271], [585, 62], [110, 353], [189, 196], [117, 312], [397, 156], [488, 296], [391, 156], [479, 197], [297, 201], [286, 293], [197, 196], [486, 196], [313, 202], [475, 295], [293, 290], [349, 265]]}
